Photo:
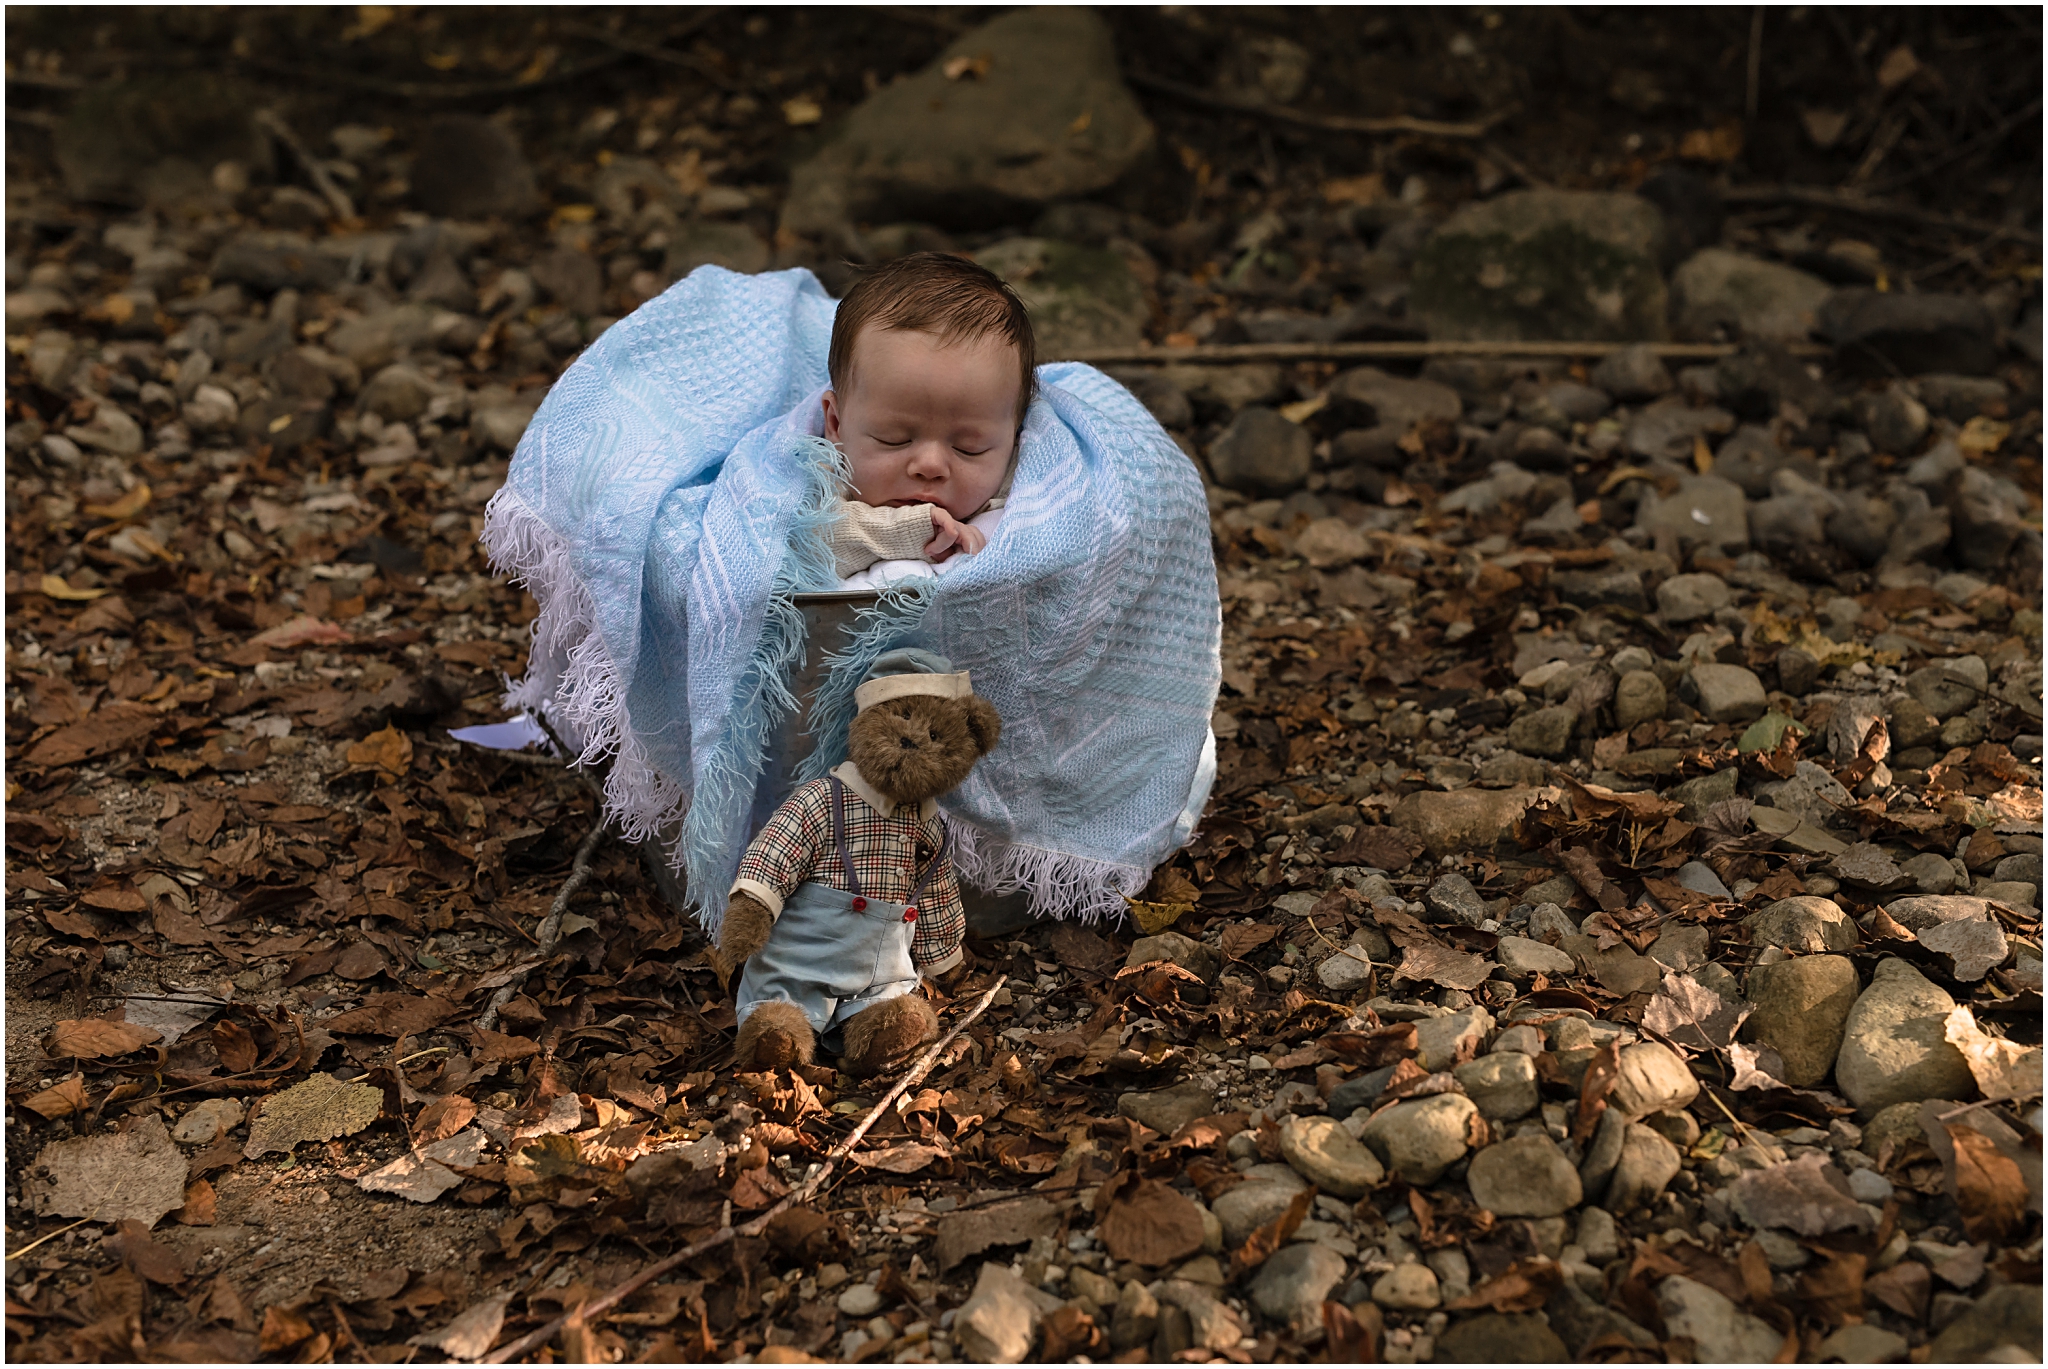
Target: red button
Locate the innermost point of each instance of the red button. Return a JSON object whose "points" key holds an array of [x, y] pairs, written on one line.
{"points": [[860, 905], [910, 914]]}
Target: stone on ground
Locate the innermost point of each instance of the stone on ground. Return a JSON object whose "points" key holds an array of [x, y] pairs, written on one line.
{"points": [[1895, 1047], [1049, 119], [1544, 264], [1526, 1176]]}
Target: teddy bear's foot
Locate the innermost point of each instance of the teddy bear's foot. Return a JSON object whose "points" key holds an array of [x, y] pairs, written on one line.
{"points": [[775, 1036], [881, 1035]]}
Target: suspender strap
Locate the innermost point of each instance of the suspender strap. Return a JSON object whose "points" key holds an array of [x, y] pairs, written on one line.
{"points": [[846, 857], [839, 835]]}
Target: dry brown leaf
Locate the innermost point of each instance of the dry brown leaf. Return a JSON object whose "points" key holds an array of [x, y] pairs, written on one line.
{"points": [[304, 630], [2002, 1068], [149, 1258], [200, 1202], [443, 1118], [903, 1159], [1798, 1196], [1990, 1189], [1353, 1333], [1692, 1015], [95, 1038], [319, 1109], [112, 1176], [426, 1174], [1240, 940], [1261, 1245], [112, 727], [283, 1328], [235, 1047], [470, 1335], [1151, 1225], [389, 751], [1154, 918], [392, 1014], [1522, 1287], [1443, 966], [61, 1099], [1601, 1072], [966, 1234], [58, 588]]}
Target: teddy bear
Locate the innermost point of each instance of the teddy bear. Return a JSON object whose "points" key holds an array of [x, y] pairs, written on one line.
{"points": [[848, 897]]}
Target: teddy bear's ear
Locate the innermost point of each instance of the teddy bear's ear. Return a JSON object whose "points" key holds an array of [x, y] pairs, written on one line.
{"points": [[983, 722]]}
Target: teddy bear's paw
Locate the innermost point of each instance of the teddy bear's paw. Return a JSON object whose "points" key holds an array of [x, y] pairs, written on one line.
{"points": [[775, 1036], [881, 1036]]}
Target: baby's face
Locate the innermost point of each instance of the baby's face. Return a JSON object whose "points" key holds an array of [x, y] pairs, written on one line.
{"points": [[925, 423]]}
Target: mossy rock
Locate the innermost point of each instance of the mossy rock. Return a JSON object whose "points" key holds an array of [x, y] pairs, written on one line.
{"points": [[117, 143], [1078, 297], [1535, 264]]}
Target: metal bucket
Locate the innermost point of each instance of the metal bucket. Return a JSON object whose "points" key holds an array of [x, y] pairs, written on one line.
{"points": [[829, 615]]}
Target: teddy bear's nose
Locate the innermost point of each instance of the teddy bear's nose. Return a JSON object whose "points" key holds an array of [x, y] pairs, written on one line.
{"points": [[906, 743]]}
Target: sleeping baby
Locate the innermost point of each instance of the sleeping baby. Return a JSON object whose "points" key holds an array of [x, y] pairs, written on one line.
{"points": [[931, 367]]}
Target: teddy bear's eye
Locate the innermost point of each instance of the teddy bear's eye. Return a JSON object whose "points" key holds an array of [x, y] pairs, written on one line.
{"points": [[931, 734]]}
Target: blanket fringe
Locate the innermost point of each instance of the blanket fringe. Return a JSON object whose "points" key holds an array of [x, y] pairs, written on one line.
{"points": [[1060, 885], [713, 828], [571, 677]]}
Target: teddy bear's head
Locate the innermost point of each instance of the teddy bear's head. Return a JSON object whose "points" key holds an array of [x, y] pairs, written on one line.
{"points": [[920, 746], [920, 728]]}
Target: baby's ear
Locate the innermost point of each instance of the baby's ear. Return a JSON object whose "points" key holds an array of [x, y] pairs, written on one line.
{"points": [[983, 723]]}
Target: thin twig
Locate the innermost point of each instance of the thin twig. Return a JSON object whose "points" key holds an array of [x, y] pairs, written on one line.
{"points": [[432, 90], [17, 1254], [1323, 123], [688, 61], [1756, 62], [535, 758], [337, 199], [1219, 354], [550, 929], [533, 1340], [1968, 149], [1973, 253], [1849, 202], [1494, 152], [1954, 1113]]}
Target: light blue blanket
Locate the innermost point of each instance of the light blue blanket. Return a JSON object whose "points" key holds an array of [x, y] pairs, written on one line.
{"points": [[665, 504]]}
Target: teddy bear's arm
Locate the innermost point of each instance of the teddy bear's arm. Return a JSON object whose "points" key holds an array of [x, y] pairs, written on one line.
{"points": [[941, 922], [789, 847]]}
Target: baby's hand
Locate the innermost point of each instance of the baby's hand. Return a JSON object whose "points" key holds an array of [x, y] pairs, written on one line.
{"points": [[949, 535]]}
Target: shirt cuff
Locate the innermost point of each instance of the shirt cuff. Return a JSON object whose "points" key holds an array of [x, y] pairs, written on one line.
{"points": [[940, 966], [757, 889]]}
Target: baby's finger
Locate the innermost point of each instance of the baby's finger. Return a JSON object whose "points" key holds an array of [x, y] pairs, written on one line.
{"points": [[972, 539]]}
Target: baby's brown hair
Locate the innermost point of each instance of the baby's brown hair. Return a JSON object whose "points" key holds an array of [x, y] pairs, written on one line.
{"points": [[952, 298]]}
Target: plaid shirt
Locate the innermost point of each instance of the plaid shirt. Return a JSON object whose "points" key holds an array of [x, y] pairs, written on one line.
{"points": [[888, 851]]}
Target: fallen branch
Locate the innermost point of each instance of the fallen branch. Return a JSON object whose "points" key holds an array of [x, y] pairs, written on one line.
{"points": [[1323, 123], [431, 90], [1845, 202], [550, 930], [337, 199], [1220, 354], [533, 1340], [1968, 149], [688, 61]]}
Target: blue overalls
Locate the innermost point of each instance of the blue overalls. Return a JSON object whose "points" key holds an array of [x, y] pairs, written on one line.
{"points": [[834, 952]]}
